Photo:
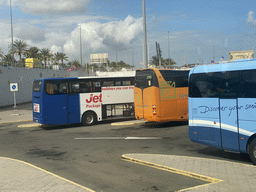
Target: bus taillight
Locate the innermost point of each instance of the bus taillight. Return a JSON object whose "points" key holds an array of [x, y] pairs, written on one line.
{"points": [[154, 109]]}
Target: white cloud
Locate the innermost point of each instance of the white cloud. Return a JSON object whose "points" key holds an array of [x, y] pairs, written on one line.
{"points": [[108, 36], [53, 6], [250, 18], [55, 49]]}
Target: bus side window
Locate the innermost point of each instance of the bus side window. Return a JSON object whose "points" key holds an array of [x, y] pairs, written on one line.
{"points": [[82, 87], [88, 86], [96, 86], [107, 83], [126, 83], [248, 84], [75, 87], [49, 88], [63, 88], [117, 83]]}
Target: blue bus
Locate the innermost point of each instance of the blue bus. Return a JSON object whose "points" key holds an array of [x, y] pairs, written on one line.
{"points": [[86, 100], [222, 106]]}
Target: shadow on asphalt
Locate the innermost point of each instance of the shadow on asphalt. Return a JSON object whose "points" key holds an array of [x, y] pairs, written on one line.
{"points": [[228, 156], [52, 127], [165, 125]]}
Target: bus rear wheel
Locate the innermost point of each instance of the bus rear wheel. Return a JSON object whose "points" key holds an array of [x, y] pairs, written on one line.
{"points": [[89, 118], [252, 151]]}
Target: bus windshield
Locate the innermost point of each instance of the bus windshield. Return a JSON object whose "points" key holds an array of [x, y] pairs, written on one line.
{"points": [[145, 78], [37, 86]]}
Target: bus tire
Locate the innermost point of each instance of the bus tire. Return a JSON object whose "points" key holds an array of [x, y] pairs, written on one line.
{"points": [[89, 118], [252, 151]]}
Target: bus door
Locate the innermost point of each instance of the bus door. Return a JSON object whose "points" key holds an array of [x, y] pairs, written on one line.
{"points": [[73, 103], [56, 104], [229, 126], [73, 109]]}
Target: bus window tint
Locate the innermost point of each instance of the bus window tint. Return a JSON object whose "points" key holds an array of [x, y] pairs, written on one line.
{"points": [[126, 83], [117, 83], [145, 78], [179, 77], [248, 84], [52, 88], [96, 87], [63, 88], [75, 87], [215, 84], [37, 86], [107, 83]]}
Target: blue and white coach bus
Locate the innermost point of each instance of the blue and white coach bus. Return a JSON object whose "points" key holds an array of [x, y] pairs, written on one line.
{"points": [[86, 100], [222, 106]]}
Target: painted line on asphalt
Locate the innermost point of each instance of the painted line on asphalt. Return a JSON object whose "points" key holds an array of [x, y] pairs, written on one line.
{"points": [[31, 125], [173, 170], [49, 173], [121, 138]]}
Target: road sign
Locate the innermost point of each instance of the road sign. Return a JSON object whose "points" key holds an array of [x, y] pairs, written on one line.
{"points": [[13, 87]]}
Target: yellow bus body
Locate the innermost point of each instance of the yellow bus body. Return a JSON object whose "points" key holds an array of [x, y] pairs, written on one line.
{"points": [[32, 63]]}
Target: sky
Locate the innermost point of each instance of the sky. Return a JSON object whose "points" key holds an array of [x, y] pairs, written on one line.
{"points": [[188, 31]]}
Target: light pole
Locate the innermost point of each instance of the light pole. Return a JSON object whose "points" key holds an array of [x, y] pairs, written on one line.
{"points": [[11, 31], [145, 55], [81, 49]]}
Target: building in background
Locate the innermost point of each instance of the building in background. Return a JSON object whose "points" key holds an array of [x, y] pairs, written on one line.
{"points": [[237, 55]]}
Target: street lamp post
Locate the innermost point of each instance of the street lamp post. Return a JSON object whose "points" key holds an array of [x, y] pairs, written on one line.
{"points": [[11, 31], [145, 55], [81, 48]]}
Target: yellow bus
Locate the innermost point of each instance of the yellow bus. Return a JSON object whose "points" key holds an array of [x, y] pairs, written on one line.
{"points": [[161, 95], [33, 63]]}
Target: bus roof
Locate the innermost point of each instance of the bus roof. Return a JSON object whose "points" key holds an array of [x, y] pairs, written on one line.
{"points": [[90, 77], [233, 66]]}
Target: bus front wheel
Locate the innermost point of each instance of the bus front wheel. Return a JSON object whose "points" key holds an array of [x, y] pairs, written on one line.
{"points": [[252, 151], [89, 118]]}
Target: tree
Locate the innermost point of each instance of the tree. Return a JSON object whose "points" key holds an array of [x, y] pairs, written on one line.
{"points": [[164, 62], [62, 57], [8, 59], [57, 57], [45, 54], [76, 63], [19, 48], [119, 65], [1, 53], [33, 52], [168, 62]]}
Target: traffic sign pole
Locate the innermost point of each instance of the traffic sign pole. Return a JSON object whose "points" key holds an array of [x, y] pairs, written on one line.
{"points": [[14, 88], [14, 100]]}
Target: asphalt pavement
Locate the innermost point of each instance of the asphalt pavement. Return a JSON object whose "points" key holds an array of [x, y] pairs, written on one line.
{"points": [[16, 175]]}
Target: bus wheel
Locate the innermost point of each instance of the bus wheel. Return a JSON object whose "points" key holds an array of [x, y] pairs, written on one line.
{"points": [[252, 151], [89, 118]]}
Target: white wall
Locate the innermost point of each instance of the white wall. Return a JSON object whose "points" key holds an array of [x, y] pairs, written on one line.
{"points": [[25, 78]]}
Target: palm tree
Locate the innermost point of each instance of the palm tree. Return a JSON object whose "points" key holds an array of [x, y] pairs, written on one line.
{"points": [[33, 52], [62, 57], [45, 54], [19, 48], [1, 53], [57, 57], [8, 59]]}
